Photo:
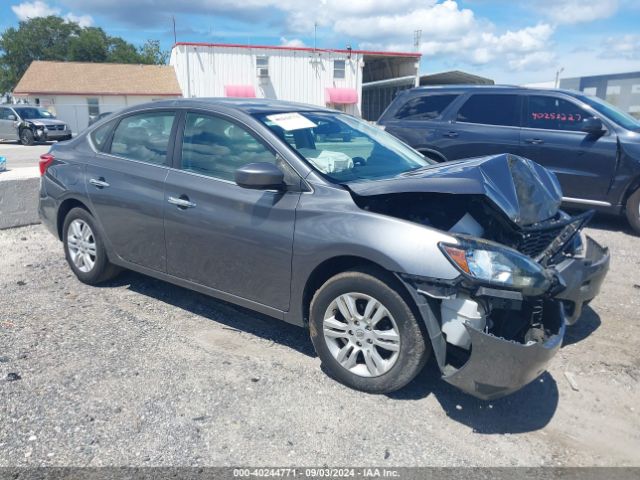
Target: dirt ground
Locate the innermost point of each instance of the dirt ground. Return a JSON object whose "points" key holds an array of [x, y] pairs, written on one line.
{"points": [[139, 372]]}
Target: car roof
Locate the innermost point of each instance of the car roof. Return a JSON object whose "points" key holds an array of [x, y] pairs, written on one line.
{"points": [[246, 105], [490, 88]]}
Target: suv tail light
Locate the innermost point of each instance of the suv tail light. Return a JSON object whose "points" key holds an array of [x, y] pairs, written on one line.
{"points": [[45, 161]]}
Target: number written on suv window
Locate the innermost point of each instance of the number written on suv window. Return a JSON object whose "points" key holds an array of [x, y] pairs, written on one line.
{"points": [[553, 113]]}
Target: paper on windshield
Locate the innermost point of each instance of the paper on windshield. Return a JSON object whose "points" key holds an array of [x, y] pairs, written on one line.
{"points": [[291, 121]]}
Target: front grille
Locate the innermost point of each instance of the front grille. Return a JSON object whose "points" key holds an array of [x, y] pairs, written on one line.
{"points": [[545, 241], [55, 127], [533, 243]]}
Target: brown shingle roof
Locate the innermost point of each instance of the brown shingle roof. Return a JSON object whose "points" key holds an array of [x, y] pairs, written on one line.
{"points": [[75, 78]]}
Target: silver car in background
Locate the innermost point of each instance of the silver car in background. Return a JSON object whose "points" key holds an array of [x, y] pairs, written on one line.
{"points": [[29, 124]]}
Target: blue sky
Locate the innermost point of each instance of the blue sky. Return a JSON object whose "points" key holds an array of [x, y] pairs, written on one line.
{"points": [[509, 41]]}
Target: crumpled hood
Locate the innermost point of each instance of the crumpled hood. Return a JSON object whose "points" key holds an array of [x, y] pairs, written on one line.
{"points": [[525, 191]]}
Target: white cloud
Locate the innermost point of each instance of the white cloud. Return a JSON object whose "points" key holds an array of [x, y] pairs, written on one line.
{"points": [[577, 11], [623, 46], [294, 42], [82, 20], [27, 10], [442, 20], [452, 33], [533, 61]]}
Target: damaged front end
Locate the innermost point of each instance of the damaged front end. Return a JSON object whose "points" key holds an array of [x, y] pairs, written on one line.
{"points": [[526, 269]]}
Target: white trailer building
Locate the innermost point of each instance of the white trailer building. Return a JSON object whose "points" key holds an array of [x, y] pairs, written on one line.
{"points": [[355, 81]]}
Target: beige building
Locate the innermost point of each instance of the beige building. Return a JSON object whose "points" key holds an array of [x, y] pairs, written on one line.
{"points": [[77, 92]]}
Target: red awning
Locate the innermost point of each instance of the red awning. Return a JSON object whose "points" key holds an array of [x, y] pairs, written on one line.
{"points": [[243, 91], [341, 96]]}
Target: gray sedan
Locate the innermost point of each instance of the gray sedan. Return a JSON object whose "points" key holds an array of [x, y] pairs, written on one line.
{"points": [[322, 220]]}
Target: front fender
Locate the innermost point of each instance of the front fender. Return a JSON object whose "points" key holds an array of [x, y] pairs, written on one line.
{"points": [[329, 224]]}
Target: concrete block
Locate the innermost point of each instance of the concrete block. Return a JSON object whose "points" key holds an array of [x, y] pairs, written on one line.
{"points": [[19, 197]]}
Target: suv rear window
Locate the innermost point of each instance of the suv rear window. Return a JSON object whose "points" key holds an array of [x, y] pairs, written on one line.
{"points": [[426, 107], [491, 110]]}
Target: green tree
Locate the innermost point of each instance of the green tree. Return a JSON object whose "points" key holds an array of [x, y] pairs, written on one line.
{"points": [[52, 38], [152, 54], [121, 51], [44, 38], [91, 45]]}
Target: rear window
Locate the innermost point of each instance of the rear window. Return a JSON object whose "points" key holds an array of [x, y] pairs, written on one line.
{"points": [[100, 136], [425, 108], [491, 110]]}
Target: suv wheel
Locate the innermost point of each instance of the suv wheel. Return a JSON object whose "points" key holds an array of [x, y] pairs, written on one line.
{"points": [[365, 333], [85, 250], [633, 211], [26, 137]]}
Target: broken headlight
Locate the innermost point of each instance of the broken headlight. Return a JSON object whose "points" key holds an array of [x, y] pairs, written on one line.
{"points": [[490, 263]]}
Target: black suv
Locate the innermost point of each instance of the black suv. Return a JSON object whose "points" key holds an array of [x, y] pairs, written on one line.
{"points": [[592, 147]]}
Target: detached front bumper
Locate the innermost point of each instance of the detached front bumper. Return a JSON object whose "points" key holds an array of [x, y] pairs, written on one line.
{"points": [[497, 366]]}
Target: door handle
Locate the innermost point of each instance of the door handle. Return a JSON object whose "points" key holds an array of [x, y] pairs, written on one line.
{"points": [[534, 141], [99, 183], [182, 202], [450, 134]]}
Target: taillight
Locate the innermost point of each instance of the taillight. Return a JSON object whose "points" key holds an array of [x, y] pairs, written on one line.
{"points": [[46, 160]]}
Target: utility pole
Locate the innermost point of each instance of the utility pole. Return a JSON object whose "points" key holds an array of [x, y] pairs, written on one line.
{"points": [[175, 37], [315, 35], [417, 38], [557, 84]]}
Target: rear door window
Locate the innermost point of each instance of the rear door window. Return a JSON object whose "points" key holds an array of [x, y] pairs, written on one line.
{"points": [[144, 137], [552, 113], [491, 109], [426, 107]]}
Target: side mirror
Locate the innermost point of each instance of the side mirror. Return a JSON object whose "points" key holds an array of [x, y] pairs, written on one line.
{"points": [[12, 117], [592, 125], [260, 176]]}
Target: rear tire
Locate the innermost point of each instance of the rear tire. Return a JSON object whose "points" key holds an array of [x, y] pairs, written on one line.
{"points": [[26, 137], [381, 347], [84, 249], [633, 211]]}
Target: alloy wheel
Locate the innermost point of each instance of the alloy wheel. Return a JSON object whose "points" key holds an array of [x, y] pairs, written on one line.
{"points": [[82, 245], [361, 334]]}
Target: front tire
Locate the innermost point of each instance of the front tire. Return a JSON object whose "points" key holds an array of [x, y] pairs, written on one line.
{"points": [[365, 333], [26, 137], [633, 211], [84, 249]]}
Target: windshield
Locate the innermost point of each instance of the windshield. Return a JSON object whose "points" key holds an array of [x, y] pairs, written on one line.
{"points": [[30, 113], [621, 118], [342, 147]]}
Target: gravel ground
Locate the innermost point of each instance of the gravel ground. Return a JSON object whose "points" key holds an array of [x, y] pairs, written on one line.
{"points": [[140, 372]]}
